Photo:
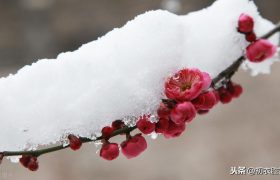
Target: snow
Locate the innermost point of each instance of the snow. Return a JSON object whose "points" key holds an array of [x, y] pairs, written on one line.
{"points": [[119, 75]]}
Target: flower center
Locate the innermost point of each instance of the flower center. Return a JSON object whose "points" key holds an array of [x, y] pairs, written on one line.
{"points": [[186, 86]]}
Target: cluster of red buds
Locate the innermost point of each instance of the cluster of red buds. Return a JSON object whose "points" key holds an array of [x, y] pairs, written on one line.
{"points": [[259, 49], [131, 147], [188, 92], [191, 94], [229, 91]]}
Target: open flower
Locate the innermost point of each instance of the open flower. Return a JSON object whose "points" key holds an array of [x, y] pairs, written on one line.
{"points": [[187, 84]]}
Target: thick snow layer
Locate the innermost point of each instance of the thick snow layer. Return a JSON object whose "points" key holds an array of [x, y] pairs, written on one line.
{"points": [[121, 74]]}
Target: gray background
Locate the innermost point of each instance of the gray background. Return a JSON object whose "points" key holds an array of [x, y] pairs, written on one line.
{"points": [[243, 133]]}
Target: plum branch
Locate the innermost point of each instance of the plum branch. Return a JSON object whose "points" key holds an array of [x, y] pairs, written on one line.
{"points": [[40, 152], [230, 71], [225, 75]]}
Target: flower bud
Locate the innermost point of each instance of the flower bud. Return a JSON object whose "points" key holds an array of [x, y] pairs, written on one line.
{"points": [[109, 151], [245, 23], [107, 132], [183, 112], [74, 142], [145, 126], [260, 50], [134, 146]]}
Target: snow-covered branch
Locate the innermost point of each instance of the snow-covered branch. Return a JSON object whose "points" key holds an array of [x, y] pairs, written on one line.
{"points": [[224, 75], [157, 62]]}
